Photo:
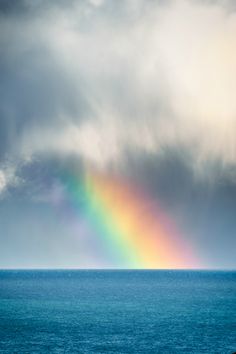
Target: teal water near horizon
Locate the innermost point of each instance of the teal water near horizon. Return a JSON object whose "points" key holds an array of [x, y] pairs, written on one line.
{"points": [[119, 311]]}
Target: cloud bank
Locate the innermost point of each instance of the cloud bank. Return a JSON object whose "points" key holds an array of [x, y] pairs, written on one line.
{"points": [[94, 79]]}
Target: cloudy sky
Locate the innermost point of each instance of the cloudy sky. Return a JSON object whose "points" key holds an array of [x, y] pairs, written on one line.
{"points": [[141, 89]]}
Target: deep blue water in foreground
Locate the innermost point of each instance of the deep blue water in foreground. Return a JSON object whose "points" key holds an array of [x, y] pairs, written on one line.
{"points": [[117, 312]]}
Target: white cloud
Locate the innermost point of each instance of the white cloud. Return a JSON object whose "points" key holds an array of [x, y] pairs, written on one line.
{"points": [[2, 181], [96, 3], [8, 177]]}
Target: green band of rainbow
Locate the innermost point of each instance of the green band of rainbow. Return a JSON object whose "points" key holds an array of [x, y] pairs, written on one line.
{"points": [[134, 229]]}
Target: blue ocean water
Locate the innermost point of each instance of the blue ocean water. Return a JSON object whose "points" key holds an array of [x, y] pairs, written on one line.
{"points": [[117, 312]]}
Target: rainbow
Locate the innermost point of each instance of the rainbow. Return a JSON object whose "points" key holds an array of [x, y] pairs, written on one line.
{"points": [[135, 229]]}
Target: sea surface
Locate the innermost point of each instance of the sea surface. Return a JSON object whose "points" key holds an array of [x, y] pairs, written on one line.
{"points": [[119, 311]]}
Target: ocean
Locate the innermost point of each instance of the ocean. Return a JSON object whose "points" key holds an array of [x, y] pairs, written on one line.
{"points": [[117, 311]]}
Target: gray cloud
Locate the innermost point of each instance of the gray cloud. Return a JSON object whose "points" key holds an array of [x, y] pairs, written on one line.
{"points": [[145, 89], [134, 74]]}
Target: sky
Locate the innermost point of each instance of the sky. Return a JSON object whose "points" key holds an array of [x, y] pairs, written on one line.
{"points": [[112, 111]]}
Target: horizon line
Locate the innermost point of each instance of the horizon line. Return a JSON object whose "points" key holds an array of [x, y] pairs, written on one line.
{"points": [[117, 269]]}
